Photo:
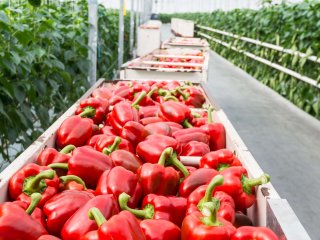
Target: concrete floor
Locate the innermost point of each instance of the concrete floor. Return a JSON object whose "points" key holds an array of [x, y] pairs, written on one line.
{"points": [[283, 139]]}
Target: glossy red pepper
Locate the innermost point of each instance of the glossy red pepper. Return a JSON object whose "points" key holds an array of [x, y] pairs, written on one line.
{"points": [[102, 92], [108, 144], [206, 193], [147, 101], [174, 126], [195, 148], [216, 131], [219, 160], [185, 138], [206, 225], [254, 233], [197, 178], [72, 182], [124, 112], [107, 130], [116, 99], [240, 187], [167, 231], [176, 112], [149, 120], [16, 224], [158, 179], [160, 128], [86, 163], [74, 130], [92, 235], [151, 149], [33, 178], [79, 224], [119, 180], [62, 206], [48, 237], [51, 155], [192, 96], [121, 226], [95, 108], [187, 131], [154, 206], [123, 91], [134, 132], [126, 159]]}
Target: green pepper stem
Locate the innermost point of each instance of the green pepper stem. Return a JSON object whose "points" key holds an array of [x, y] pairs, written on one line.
{"points": [[169, 97], [210, 110], [95, 214], [113, 147], [139, 99], [184, 95], [195, 114], [175, 161], [36, 183], [165, 155], [68, 149], [146, 213], [248, 184], [152, 91], [88, 112], [59, 165], [215, 181], [210, 210], [74, 178], [163, 92], [186, 124], [35, 199], [222, 166]]}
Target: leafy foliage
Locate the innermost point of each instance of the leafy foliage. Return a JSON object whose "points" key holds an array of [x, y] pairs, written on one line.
{"points": [[44, 65], [292, 26]]}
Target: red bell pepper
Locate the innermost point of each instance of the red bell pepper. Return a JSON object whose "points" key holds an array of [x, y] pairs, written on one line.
{"points": [[206, 225], [121, 226], [72, 182], [240, 187], [187, 131], [147, 101], [107, 130], [254, 233], [119, 180], [154, 206], [192, 96], [126, 159], [195, 148], [158, 179], [62, 206], [48, 237], [197, 178], [206, 193], [86, 163], [199, 121], [184, 137], [116, 99], [108, 144], [148, 120], [33, 178], [176, 112], [167, 231], [174, 126], [102, 92], [216, 131], [16, 224], [160, 128], [95, 108], [79, 224], [124, 112], [32, 209], [219, 160], [134, 132], [151, 149], [148, 111], [51, 155], [92, 235], [74, 130], [123, 91]]}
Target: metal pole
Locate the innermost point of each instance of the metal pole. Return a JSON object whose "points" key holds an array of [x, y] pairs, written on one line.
{"points": [[132, 26], [141, 11], [121, 31], [92, 41]]}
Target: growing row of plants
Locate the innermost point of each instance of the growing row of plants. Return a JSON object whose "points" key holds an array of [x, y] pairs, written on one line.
{"points": [[292, 26], [44, 65]]}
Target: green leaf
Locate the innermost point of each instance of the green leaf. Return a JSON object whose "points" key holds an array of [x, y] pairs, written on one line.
{"points": [[56, 63], [3, 17], [9, 65]]}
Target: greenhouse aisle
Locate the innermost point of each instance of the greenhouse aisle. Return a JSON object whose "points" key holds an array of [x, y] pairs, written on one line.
{"points": [[283, 139]]}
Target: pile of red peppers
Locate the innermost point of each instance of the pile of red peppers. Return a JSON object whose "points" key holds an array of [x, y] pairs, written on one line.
{"points": [[116, 173]]}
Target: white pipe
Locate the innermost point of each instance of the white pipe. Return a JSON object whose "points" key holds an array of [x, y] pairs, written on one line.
{"points": [[266, 62], [264, 44]]}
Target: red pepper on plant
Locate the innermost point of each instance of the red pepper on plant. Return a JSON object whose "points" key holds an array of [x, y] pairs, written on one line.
{"points": [[219, 160], [206, 193], [254, 233], [15, 223], [170, 208], [94, 108], [121, 226], [126, 159], [195, 148], [51, 155], [79, 224], [33, 178], [119, 180], [62, 206], [167, 231]]}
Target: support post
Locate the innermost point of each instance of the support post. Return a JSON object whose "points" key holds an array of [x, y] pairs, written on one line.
{"points": [[121, 34], [92, 41], [132, 12]]}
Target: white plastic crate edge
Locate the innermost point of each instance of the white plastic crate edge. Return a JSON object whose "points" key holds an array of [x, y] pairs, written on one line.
{"points": [[31, 153]]}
